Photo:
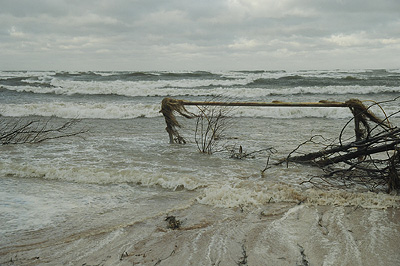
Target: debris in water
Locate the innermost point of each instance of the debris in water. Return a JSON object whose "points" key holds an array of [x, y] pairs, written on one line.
{"points": [[173, 223]]}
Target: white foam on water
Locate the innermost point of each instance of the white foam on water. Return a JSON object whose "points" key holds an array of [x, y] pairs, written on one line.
{"points": [[110, 110], [224, 192], [107, 110], [191, 88], [292, 112], [235, 195], [337, 197], [26, 217], [91, 175]]}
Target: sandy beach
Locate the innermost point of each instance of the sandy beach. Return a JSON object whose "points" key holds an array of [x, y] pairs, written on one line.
{"points": [[276, 234]]}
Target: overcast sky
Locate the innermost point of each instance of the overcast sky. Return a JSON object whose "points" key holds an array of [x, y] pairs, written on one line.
{"points": [[199, 34]]}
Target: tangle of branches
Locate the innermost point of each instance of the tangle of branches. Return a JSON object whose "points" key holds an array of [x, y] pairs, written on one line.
{"points": [[26, 130], [211, 122], [371, 159]]}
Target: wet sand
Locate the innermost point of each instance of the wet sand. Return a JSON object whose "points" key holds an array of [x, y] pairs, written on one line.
{"points": [[274, 234]]}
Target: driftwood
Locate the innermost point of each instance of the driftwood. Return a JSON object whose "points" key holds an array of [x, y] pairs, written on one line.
{"points": [[25, 130], [356, 154], [353, 150], [373, 159], [359, 110], [169, 106], [266, 104]]}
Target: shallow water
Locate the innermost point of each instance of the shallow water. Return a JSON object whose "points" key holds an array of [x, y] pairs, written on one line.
{"points": [[102, 198]]}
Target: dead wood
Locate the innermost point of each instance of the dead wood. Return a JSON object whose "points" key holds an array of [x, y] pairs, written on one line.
{"points": [[373, 136], [372, 159], [171, 106], [270, 104], [168, 107], [26, 130], [352, 150]]}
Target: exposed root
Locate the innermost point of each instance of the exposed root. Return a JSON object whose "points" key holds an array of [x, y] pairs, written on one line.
{"points": [[372, 158], [168, 107]]}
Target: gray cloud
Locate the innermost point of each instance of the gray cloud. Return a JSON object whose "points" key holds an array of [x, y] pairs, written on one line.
{"points": [[181, 34]]}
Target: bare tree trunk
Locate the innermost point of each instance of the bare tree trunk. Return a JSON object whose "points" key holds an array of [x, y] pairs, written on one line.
{"points": [[367, 141], [362, 149]]}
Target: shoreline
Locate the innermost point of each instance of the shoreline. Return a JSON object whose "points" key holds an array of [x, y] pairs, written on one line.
{"points": [[276, 233]]}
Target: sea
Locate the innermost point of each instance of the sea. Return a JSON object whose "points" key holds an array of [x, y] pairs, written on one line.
{"points": [[107, 196]]}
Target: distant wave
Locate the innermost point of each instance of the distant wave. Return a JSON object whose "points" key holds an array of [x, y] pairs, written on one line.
{"points": [[136, 76], [204, 88], [305, 81], [129, 111], [24, 81], [265, 79], [131, 94]]}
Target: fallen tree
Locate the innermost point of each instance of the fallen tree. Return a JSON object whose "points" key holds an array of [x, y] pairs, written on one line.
{"points": [[372, 158], [354, 150], [171, 106]]}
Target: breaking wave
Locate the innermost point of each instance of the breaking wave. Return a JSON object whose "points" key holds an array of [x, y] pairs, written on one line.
{"points": [[108, 110], [223, 193], [192, 88]]}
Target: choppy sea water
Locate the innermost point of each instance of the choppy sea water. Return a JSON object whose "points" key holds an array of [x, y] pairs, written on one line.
{"points": [[123, 174]]}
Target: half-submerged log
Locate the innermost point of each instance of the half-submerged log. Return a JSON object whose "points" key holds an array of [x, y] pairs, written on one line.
{"points": [[170, 106], [357, 154], [360, 111]]}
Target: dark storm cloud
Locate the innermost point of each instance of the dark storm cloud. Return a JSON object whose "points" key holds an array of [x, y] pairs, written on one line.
{"points": [[178, 34]]}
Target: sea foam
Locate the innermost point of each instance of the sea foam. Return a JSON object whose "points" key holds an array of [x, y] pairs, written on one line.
{"points": [[229, 195], [110, 110]]}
